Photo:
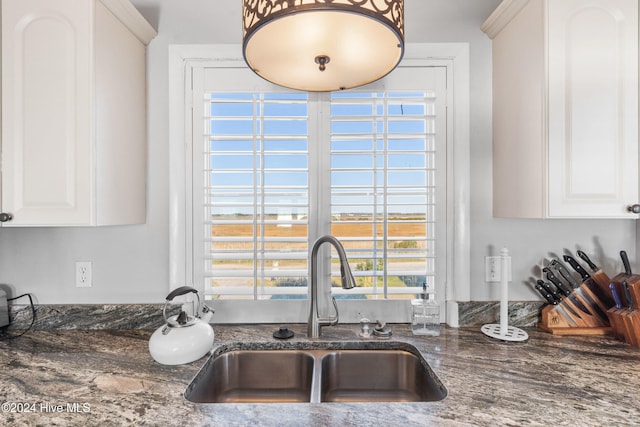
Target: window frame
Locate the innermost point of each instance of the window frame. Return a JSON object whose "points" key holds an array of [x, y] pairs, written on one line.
{"points": [[186, 59]]}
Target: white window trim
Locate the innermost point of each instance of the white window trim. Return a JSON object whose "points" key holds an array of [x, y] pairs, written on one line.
{"points": [[454, 56]]}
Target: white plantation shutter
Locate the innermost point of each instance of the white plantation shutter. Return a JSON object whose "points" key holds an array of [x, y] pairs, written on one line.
{"points": [[256, 194], [275, 169], [383, 187]]}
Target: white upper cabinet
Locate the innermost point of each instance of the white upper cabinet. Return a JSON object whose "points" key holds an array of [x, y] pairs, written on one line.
{"points": [[73, 112], [565, 108]]}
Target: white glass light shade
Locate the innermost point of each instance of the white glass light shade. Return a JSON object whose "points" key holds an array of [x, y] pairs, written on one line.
{"points": [[285, 42]]}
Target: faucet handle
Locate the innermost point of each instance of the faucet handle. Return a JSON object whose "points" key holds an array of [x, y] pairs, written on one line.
{"points": [[335, 319], [330, 321]]}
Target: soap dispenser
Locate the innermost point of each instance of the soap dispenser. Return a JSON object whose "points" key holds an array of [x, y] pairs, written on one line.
{"points": [[425, 314]]}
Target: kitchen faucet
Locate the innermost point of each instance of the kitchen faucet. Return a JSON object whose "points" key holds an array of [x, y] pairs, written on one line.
{"points": [[348, 282]]}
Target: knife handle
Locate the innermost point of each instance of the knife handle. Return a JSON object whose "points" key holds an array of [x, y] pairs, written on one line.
{"points": [[560, 268], [586, 259], [550, 288], [577, 267], [625, 262], [616, 297], [553, 279], [545, 294]]}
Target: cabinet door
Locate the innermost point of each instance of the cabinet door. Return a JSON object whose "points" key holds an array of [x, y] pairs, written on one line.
{"points": [[593, 107], [46, 114]]}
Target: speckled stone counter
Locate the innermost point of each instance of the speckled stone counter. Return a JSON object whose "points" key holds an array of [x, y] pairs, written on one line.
{"points": [[59, 378]]}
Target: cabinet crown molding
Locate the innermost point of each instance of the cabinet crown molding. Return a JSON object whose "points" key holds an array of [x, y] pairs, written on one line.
{"points": [[132, 19], [500, 17]]}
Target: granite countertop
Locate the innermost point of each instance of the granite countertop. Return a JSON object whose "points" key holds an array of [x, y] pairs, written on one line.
{"points": [[108, 378]]}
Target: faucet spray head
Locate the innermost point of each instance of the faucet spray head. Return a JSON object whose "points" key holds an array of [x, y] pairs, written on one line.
{"points": [[348, 282]]}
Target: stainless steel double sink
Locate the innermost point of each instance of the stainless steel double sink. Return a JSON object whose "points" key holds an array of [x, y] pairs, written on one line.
{"points": [[389, 373]]}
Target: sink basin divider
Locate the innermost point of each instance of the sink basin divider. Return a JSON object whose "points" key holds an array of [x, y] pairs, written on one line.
{"points": [[316, 382]]}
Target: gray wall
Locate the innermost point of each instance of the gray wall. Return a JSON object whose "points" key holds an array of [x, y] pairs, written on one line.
{"points": [[130, 263]]}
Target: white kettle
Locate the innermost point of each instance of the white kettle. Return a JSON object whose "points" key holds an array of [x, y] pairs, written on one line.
{"points": [[183, 338]]}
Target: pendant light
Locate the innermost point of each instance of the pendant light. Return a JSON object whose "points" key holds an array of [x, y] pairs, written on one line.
{"points": [[322, 45]]}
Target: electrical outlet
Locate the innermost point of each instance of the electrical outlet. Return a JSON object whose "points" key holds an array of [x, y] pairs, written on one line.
{"points": [[493, 269], [83, 274]]}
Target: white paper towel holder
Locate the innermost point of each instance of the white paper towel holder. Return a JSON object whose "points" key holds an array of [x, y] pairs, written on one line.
{"points": [[503, 331]]}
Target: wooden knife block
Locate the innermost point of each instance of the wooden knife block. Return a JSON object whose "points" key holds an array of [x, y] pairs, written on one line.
{"points": [[625, 321], [553, 321], [626, 325], [600, 285]]}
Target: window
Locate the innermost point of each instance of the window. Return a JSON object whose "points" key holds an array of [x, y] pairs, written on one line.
{"points": [[270, 170], [256, 209], [385, 166]]}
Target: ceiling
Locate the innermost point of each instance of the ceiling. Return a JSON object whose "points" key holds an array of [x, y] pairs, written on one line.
{"points": [[219, 21]]}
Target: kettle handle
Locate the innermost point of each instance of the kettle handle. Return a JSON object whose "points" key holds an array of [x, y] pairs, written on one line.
{"points": [[182, 290]]}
